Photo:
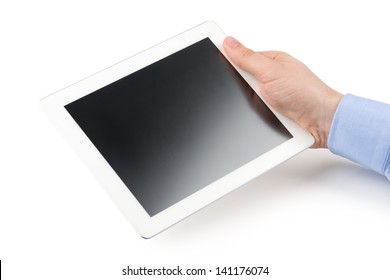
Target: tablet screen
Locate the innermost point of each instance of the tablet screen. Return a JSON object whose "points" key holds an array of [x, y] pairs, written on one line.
{"points": [[177, 125]]}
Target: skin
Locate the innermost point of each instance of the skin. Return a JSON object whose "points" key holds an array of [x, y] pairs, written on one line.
{"points": [[290, 87]]}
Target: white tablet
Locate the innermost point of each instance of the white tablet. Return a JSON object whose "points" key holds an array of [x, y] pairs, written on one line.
{"points": [[172, 129]]}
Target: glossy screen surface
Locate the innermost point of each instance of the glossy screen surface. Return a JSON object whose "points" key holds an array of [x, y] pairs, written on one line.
{"points": [[177, 125]]}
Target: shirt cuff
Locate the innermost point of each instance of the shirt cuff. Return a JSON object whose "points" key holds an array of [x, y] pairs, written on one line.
{"points": [[360, 132]]}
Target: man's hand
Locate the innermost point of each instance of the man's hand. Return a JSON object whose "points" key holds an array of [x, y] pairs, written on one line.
{"points": [[290, 87]]}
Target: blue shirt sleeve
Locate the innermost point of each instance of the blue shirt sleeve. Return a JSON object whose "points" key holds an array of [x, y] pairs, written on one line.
{"points": [[360, 132]]}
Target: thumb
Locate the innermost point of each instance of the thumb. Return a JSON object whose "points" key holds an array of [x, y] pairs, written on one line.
{"points": [[253, 62]]}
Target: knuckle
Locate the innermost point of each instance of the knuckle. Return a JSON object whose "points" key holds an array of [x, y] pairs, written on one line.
{"points": [[247, 52], [247, 55]]}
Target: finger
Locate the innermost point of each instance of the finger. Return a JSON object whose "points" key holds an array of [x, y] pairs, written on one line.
{"points": [[253, 62], [274, 55]]}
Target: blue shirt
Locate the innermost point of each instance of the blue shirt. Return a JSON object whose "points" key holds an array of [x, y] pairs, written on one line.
{"points": [[360, 132]]}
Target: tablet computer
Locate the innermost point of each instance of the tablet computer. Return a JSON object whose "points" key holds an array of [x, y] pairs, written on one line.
{"points": [[173, 128]]}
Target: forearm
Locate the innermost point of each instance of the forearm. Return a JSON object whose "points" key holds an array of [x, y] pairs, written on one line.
{"points": [[361, 132]]}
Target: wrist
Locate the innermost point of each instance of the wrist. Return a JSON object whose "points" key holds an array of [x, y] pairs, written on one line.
{"points": [[327, 110]]}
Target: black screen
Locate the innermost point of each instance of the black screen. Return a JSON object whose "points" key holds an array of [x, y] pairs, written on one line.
{"points": [[177, 125]]}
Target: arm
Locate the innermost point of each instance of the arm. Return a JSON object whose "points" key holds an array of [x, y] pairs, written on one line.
{"points": [[361, 132], [334, 121]]}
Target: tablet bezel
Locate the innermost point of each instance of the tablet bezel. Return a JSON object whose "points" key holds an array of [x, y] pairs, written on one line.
{"points": [[145, 225]]}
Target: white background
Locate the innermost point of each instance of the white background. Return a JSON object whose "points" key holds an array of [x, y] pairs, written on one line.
{"points": [[317, 216]]}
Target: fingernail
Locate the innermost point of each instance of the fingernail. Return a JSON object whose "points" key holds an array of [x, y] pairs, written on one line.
{"points": [[231, 42]]}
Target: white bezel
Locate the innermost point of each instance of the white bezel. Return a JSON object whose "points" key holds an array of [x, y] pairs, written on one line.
{"points": [[145, 225]]}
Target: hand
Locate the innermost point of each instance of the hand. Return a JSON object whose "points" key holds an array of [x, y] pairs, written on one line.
{"points": [[290, 87]]}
